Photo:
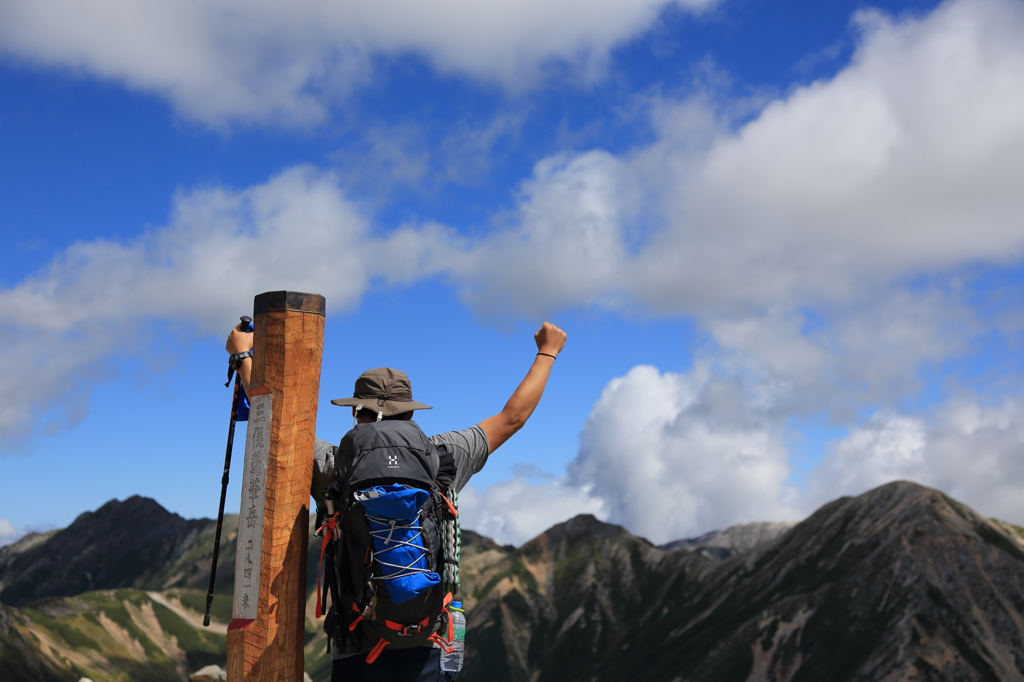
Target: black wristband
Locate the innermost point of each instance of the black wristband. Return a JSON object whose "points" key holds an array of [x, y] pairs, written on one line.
{"points": [[547, 354]]}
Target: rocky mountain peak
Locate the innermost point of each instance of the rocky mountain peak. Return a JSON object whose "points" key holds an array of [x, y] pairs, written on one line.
{"points": [[130, 543], [584, 527]]}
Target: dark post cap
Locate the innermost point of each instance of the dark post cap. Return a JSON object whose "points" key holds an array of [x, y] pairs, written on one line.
{"points": [[277, 301]]}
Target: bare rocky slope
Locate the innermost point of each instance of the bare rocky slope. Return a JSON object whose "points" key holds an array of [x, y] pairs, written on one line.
{"points": [[900, 583], [722, 544]]}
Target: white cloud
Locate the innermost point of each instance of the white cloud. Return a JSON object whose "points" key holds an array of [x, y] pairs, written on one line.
{"points": [[569, 248], [851, 355], [296, 232], [217, 59], [674, 455], [904, 163], [515, 511], [967, 449], [297, 229], [8, 533]]}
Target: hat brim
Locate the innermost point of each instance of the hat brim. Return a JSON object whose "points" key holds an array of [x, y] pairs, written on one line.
{"points": [[389, 408]]}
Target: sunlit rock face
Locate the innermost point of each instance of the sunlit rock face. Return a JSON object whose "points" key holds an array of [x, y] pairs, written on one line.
{"points": [[722, 544]]}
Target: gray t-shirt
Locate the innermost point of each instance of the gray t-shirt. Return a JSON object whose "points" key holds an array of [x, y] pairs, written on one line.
{"points": [[469, 447]]}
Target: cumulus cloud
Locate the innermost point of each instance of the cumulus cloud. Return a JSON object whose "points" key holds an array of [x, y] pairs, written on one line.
{"points": [[674, 455], [968, 449], [217, 60], [297, 231], [515, 511]]}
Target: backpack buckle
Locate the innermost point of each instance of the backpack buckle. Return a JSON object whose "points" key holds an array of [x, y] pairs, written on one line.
{"points": [[404, 630]]}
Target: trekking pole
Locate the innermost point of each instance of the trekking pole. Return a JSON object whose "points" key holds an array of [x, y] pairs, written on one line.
{"points": [[246, 325]]}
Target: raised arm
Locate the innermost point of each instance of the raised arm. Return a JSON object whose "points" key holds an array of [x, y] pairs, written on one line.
{"points": [[499, 428]]}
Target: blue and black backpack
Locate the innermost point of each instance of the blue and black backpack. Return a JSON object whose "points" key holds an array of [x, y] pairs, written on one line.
{"points": [[391, 549]]}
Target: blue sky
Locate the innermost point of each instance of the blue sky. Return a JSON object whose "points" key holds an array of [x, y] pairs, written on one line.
{"points": [[785, 240]]}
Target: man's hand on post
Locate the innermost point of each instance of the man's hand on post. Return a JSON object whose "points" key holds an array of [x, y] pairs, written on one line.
{"points": [[239, 340]]}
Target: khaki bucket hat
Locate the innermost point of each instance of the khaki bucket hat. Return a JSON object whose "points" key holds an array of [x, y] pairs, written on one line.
{"points": [[383, 390]]}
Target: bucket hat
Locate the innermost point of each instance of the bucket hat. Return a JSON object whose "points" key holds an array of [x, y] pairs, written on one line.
{"points": [[383, 390]]}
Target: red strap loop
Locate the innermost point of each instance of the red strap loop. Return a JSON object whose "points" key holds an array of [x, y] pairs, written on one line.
{"points": [[451, 507], [375, 651], [438, 640]]}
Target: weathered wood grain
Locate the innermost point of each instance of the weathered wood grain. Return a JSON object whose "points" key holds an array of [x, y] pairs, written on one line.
{"points": [[287, 350]]}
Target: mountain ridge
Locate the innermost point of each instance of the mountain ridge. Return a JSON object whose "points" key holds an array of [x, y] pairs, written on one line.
{"points": [[818, 604], [131, 543], [899, 583]]}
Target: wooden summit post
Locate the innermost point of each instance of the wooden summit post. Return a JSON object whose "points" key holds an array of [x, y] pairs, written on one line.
{"points": [[265, 637]]}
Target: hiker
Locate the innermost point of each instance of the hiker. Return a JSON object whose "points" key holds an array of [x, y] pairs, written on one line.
{"points": [[383, 398]]}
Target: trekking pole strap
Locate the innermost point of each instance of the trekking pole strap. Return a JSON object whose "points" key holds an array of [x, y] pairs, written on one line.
{"points": [[328, 533]]}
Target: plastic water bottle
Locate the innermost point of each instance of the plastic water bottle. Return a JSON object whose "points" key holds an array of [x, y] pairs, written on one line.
{"points": [[452, 662]]}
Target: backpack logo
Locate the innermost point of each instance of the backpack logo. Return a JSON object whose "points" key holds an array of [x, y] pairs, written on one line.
{"points": [[393, 462]]}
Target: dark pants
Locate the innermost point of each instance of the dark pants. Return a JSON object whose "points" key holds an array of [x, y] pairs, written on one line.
{"points": [[420, 664]]}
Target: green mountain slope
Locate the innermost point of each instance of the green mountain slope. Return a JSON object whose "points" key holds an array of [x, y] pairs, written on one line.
{"points": [[110, 636]]}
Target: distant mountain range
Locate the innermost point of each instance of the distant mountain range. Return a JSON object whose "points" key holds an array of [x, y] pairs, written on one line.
{"points": [[901, 583]]}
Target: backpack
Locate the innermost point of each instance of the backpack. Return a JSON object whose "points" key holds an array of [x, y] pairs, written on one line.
{"points": [[390, 551]]}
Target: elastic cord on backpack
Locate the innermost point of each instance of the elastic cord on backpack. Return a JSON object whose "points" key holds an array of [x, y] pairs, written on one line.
{"points": [[451, 538]]}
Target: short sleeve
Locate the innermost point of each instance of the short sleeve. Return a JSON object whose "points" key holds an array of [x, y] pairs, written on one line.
{"points": [[323, 468], [470, 449]]}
